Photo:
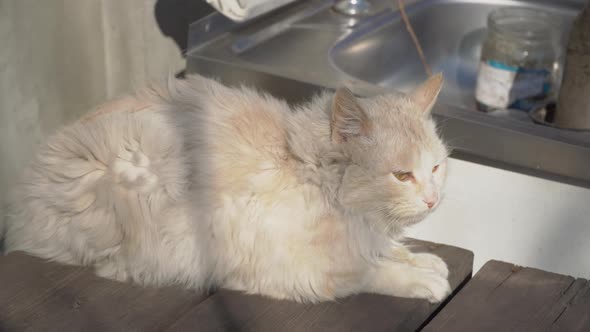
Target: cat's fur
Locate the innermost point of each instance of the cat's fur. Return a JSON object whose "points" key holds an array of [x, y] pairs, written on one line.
{"points": [[210, 186]]}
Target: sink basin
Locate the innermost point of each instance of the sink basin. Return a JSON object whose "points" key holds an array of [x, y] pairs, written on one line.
{"points": [[451, 33], [297, 51]]}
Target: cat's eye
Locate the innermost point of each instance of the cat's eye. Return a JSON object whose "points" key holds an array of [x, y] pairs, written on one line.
{"points": [[435, 168], [403, 176]]}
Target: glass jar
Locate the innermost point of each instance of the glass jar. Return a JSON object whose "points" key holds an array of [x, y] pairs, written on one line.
{"points": [[518, 59]]}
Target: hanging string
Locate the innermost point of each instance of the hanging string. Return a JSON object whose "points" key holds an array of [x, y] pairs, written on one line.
{"points": [[414, 38]]}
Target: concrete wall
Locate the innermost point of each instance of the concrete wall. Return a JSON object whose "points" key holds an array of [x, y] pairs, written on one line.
{"points": [[59, 58]]}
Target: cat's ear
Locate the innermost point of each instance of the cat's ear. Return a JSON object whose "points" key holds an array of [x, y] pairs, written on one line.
{"points": [[348, 118], [425, 95]]}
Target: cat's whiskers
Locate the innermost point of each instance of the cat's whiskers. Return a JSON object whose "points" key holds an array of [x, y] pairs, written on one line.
{"points": [[390, 225], [450, 142], [440, 125], [399, 214], [462, 149], [452, 200]]}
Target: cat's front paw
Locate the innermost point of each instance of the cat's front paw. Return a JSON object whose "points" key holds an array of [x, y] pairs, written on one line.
{"points": [[430, 262], [111, 270], [430, 286]]}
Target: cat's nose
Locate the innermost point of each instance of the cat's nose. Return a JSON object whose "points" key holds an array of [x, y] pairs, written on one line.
{"points": [[430, 201], [430, 198]]}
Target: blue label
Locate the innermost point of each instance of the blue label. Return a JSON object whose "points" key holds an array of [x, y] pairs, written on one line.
{"points": [[529, 85], [503, 66]]}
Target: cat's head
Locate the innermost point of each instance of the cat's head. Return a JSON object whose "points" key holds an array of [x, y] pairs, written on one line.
{"points": [[399, 162]]}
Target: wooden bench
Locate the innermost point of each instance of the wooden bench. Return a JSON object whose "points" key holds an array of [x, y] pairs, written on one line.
{"points": [[36, 295], [40, 296], [505, 297]]}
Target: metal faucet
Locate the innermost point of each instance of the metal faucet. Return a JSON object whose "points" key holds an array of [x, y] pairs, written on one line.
{"points": [[354, 7]]}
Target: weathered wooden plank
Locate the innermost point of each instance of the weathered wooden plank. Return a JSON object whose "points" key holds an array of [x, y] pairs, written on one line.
{"points": [[505, 297], [234, 311], [41, 296], [574, 315]]}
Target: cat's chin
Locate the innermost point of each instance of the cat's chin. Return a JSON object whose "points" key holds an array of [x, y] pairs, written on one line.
{"points": [[414, 219], [397, 226]]}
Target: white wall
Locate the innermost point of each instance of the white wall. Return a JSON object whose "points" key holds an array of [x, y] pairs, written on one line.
{"points": [[513, 217]]}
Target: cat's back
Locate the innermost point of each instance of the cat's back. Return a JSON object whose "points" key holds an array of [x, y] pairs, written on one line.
{"points": [[241, 134]]}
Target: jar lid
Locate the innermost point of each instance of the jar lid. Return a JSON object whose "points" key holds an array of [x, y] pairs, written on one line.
{"points": [[525, 24]]}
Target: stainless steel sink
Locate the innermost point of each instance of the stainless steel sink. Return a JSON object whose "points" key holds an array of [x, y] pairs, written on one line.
{"points": [[294, 52], [451, 33]]}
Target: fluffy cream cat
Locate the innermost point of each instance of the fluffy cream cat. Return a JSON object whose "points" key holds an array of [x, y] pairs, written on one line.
{"points": [[209, 186]]}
